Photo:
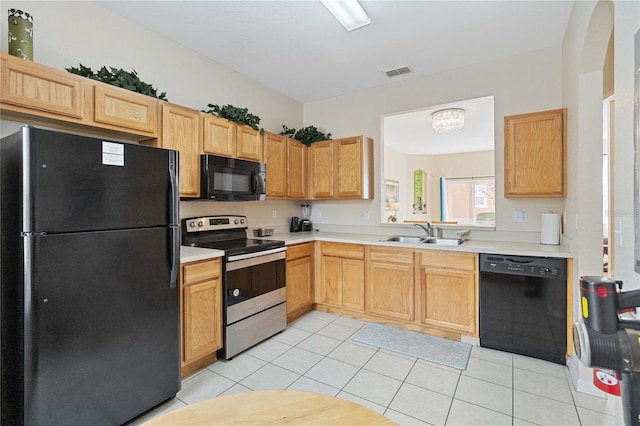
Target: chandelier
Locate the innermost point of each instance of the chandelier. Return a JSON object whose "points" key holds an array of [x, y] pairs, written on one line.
{"points": [[448, 120]]}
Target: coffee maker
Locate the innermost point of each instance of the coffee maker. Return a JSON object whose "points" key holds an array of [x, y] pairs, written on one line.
{"points": [[304, 224]]}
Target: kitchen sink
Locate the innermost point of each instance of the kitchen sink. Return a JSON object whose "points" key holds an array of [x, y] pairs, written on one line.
{"points": [[444, 241], [406, 239], [426, 240]]}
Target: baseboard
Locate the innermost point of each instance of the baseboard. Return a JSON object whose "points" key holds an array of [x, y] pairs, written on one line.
{"points": [[582, 384]]}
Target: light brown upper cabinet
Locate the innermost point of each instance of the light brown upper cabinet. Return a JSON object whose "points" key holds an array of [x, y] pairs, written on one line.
{"points": [[125, 110], [248, 143], [535, 154], [286, 161], [218, 135], [342, 168], [228, 139], [181, 131], [29, 87], [37, 92]]}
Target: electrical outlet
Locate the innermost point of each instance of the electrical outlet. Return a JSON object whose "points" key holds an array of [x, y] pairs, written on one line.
{"points": [[318, 213], [274, 213], [519, 216], [366, 214]]}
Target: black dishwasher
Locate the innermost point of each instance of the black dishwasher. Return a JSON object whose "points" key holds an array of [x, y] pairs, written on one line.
{"points": [[523, 305]]}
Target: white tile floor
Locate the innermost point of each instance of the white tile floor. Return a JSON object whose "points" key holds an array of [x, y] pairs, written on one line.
{"points": [[315, 354]]}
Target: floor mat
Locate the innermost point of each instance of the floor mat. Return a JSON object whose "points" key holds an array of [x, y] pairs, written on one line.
{"points": [[430, 348]]}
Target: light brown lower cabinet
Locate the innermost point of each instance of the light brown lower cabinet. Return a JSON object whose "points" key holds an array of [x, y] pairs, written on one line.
{"points": [[449, 291], [342, 275], [391, 281], [201, 306], [299, 280], [434, 291]]}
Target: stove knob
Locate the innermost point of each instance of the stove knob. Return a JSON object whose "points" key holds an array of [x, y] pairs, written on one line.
{"points": [[242, 221], [201, 223], [192, 224], [235, 221]]}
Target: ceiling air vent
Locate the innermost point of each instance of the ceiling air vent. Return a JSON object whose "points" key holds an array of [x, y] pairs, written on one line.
{"points": [[398, 71]]}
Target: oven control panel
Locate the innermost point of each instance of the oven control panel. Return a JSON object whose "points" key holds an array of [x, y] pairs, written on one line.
{"points": [[214, 223]]}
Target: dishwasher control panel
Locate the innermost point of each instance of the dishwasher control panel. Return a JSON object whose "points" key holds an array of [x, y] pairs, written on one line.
{"points": [[527, 266]]}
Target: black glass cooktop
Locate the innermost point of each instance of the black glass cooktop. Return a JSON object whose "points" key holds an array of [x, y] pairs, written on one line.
{"points": [[242, 246]]}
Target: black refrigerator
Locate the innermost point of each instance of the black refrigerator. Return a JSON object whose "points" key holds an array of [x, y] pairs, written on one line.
{"points": [[89, 304]]}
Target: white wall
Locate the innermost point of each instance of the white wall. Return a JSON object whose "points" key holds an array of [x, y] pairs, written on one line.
{"points": [[520, 84], [67, 33], [584, 53]]}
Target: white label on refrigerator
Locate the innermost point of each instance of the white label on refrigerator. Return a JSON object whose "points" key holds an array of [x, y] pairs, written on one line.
{"points": [[112, 154]]}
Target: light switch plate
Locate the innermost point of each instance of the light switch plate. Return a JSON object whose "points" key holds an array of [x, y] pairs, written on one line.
{"points": [[520, 216]]}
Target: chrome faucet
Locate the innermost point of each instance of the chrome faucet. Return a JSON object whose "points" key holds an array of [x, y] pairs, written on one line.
{"points": [[427, 229]]}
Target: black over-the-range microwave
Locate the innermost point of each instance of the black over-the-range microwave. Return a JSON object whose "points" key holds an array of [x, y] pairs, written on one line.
{"points": [[230, 179]]}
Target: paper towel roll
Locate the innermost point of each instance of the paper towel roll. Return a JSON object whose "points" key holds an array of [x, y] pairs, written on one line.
{"points": [[550, 229]]}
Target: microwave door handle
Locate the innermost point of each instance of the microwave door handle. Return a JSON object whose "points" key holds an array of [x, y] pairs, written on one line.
{"points": [[254, 182]]}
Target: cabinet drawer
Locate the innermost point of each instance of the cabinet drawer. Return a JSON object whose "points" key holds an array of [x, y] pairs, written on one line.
{"points": [[450, 260], [299, 250], [388, 255], [200, 271], [352, 251]]}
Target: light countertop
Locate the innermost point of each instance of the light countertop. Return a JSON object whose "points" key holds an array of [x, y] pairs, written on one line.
{"points": [[476, 246], [191, 254]]}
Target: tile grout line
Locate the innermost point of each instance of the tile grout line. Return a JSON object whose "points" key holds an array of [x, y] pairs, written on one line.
{"points": [[399, 387]]}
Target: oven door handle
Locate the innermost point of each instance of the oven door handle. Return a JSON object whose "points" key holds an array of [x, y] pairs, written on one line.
{"points": [[255, 254]]}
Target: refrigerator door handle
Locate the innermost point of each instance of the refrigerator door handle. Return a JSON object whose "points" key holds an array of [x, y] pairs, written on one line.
{"points": [[175, 256], [175, 190]]}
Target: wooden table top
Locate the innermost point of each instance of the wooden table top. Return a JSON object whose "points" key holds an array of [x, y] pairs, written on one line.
{"points": [[272, 407]]}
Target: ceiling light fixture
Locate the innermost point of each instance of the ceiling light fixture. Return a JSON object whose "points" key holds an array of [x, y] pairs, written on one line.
{"points": [[348, 12], [448, 120]]}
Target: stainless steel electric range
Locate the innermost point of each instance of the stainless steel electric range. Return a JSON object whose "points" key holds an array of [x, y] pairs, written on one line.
{"points": [[254, 292]]}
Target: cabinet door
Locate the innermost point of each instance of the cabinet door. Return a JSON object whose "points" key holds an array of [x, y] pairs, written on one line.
{"points": [[248, 143], [391, 290], [296, 183], [275, 157], [331, 280], [202, 316], [353, 284], [348, 157], [39, 88], [218, 135], [448, 299], [321, 167], [535, 154], [124, 109], [180, 131], [299, 273]]}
